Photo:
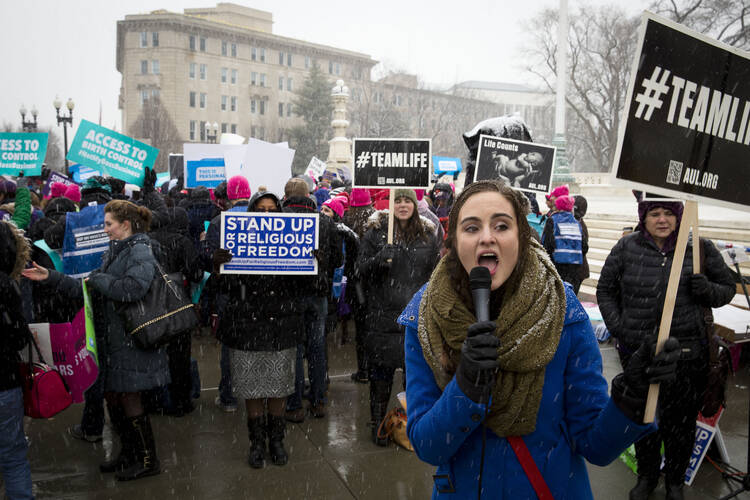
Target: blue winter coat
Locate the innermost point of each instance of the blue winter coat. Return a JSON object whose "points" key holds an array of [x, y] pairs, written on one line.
{"points": [[577, 420]]}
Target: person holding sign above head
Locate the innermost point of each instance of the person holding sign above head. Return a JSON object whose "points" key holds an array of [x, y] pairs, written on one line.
{"points": [[391, 273], [504, 385], [631, 294]]}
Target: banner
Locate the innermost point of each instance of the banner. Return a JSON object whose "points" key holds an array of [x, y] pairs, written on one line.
{"points": [[270, 243], [204, 164], [22, 152], [315, 168], [85, 241], [397, 163], [686, 132], [446, 165], [56, 177], [112, 153], [80, 172], [63, 346], [526, 166], [264, 164]]}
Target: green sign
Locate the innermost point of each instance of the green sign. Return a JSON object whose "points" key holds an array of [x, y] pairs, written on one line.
{"points": [[22, 151], [90, 334], [111, 153]]}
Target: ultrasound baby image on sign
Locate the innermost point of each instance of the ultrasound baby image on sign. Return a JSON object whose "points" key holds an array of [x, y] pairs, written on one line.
{"points": [[526, 166], [397, 163]]}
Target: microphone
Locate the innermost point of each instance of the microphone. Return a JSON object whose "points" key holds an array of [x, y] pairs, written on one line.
{"points": [[480, 281]]}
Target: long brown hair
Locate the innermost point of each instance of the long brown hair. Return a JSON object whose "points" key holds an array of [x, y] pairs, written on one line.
{"points": [[123, 210], [414, 230]]}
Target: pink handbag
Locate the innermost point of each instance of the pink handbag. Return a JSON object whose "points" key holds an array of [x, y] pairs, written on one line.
{"points": [[45, 393]]}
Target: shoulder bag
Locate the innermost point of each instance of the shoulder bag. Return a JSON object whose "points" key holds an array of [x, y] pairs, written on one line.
{"points": [[45, 393]]}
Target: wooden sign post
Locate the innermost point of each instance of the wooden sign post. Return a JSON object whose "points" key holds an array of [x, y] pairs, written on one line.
{"points": [[689, 220], [391, 203]]}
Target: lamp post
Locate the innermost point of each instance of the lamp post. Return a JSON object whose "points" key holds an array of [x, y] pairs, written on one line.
{"points": [[66, 121], [212, 131], [28, 126]]}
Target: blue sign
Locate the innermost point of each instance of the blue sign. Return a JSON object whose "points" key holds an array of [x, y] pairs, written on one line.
{"points": [[704, 434], [208, 172], [446, 165], [85, 241], [55, 177], [81, 173], [270, 243]]}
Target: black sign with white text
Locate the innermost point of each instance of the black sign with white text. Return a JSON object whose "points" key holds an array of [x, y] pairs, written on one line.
{"points": [[392, 163], [526, 166], [687, 130]]}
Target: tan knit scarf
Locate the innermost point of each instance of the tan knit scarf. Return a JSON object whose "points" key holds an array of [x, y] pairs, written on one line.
{"points": [[528, 325]]}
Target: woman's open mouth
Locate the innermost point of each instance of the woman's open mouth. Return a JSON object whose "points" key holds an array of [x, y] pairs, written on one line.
{"points": [[488, 260]]}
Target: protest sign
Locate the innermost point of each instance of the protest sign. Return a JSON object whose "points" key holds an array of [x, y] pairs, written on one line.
{"points": [[705, 432], [112, 153], [270, 243], [315, 168], [22, 152], [81, 173], [89, 323], [204, 164], [397, 163], [267, 164], [176, 165], [526, 166], [446, 165], [85, 241], [686, 133], [56, 177]]}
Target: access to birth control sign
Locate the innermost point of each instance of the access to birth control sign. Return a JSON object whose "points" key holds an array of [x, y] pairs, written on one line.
{"points": [[270, 243], [392, 163], [22, 152], [686, 133]]}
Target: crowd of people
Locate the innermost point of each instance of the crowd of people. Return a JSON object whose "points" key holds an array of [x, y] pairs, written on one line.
{"points": [[530, 373]]}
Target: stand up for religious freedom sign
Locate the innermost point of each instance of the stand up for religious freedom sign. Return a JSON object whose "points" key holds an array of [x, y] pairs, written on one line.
{"points": [[270, 243], [112, 153], [526, 166], [686, 133], [22, 152], [392, 163]]}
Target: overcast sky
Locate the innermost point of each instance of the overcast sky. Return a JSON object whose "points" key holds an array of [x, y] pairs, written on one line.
{"points": [[68, 47]]}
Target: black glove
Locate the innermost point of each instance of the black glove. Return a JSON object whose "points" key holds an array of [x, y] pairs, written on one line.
{"points": [[700, 288], [221, 256], [149, 181], [476, 371], [386, 255]]}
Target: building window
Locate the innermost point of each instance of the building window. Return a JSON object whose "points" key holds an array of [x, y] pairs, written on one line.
{"points": [[203, 44], [281, 135], [262, 54], [262, 133], [155, 38], [262, 109], [223, 48], [262, 79], [253, 130], [144, 97], [155, 94], [192, 43], [192, 130], [203, 100], [281, 83], [224, 72], [253, 53], [155, 66], [234, 128], [192, 99], [396, 100], [307, 62], [234, 76], [289, 84], [223, 103], [289, 109], [378, 97], [202, 130], [281, 58], [204, 70], [234, 103], [252, 106], [289, 59], [144, 39], [191, 71], [357, 73], [253, 78], [223, 128], [330, 67], [281, 109], [144, 67], [234, 50], [337, 67]]}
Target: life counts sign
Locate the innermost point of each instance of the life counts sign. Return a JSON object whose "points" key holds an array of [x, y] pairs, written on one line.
{"points": [[686, 132], [526, 166], [392, 163]]}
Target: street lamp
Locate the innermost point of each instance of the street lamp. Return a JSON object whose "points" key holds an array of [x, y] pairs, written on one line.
{"points": [[66, 121], [28, 126], [212, 131]]}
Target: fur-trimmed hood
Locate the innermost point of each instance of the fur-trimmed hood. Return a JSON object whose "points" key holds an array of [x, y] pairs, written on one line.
{"points": [[15, 250], [379, 219]]}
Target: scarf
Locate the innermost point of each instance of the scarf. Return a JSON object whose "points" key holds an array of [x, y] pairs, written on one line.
{"points": [[529, 325]]}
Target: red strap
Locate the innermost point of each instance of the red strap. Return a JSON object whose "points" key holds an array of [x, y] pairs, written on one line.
{"points": [[529, 467]]}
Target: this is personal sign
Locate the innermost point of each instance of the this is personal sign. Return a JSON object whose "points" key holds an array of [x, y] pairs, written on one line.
{"points": [[22, 152]]}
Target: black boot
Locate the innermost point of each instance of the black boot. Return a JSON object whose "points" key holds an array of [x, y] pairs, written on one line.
{"points": [[276, 428], [256, 431], [674, 490], [380, 393], [644, 487], [144, 450], [125, 458]]}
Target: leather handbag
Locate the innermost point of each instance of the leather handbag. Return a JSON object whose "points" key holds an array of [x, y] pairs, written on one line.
{"points": [[162, 314], [393, 426], [45, 393]]}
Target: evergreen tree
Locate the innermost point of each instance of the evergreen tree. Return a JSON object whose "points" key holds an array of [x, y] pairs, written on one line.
{"points": [[315, 105]]}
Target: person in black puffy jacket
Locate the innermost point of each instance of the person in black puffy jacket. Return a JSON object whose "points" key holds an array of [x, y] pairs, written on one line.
{"points": [[631, 294], [392, 274]]}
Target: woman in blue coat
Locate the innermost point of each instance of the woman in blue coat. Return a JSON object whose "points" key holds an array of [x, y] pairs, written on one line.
{"points": [[532, 375]]}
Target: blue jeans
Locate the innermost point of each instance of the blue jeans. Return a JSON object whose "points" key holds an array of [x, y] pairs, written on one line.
{"points": [[13, 447], [314, 348], [225, 384]]}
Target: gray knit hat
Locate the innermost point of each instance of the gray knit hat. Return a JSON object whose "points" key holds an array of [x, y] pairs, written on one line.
{"points": [[406, 193]]}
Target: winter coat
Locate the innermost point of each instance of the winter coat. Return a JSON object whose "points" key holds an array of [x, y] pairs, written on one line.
{"points": [[633, 284], [127, 270], [177, 249], [211, 243], [389, 288], [199, 209], [356, 219], [577, 420], [568, 272]]}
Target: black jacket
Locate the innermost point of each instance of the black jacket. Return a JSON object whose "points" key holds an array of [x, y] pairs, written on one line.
{"points": [[633, 285], [177, 249]]}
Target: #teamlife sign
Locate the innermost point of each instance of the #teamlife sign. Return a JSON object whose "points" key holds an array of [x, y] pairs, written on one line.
{"points": [[111, 153], [526, 166], [22, 151], [686, 133], [392, 163], [270, 243]]}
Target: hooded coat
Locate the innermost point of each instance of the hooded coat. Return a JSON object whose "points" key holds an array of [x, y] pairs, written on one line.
{"points": [[179, 254]]}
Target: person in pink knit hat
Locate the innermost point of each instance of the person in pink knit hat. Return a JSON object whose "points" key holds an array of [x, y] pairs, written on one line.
{"points": [[333, 209], [73, 193], [238, 188], [563, 239], [557, 192], [57, 189]]}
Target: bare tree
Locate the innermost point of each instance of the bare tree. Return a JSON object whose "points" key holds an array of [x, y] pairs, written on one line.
{"points": [[155, 125], [725, 20]]}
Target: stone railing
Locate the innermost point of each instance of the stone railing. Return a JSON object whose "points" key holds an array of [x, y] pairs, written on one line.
{"points": [[592, 178]]}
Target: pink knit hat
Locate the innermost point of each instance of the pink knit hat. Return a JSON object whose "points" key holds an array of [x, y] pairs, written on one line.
{"points": [[343, 200], [238, 188], [57, 189], [419, 193], [335, 205], [565, 203], [557, 192], [360, 197], [73, 193]]}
